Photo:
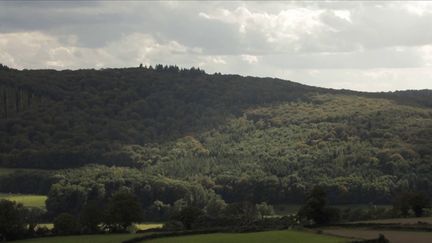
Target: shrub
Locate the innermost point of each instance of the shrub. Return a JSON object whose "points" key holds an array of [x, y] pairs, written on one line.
{"points": [[66, 224]]}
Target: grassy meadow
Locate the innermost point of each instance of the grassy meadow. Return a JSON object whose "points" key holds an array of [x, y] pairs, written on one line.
{"points": [[146, 226], [257, 237], [27, 200], [141, 226]]}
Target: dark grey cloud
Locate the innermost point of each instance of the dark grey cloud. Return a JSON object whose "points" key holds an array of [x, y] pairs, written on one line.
{"points": [[288, 39]]}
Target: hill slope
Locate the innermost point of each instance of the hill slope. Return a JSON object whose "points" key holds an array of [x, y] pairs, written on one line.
{"points": [[259, 139]]}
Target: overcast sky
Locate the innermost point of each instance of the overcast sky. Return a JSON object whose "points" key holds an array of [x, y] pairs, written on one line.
{"points": [[369, 46]]}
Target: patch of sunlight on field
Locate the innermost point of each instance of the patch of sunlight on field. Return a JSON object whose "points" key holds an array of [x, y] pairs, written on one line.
{"points": [[46, 225], [142, 226], [37, 201], [257, 237], [105, 238], [146, 226]]}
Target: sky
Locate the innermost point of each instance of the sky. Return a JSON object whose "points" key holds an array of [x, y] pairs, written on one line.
{"points": [[365, 46]]}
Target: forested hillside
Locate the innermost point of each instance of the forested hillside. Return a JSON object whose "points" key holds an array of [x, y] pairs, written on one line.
{"points": [[188, 135]]}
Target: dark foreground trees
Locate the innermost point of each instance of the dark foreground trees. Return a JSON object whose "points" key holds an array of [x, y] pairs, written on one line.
{"points": [[12, 224], [92, 216], [419, 202], [188, 216], [17, 221], [315, 208], [66, 224], [123, 209], [415, 201], [65, 199]]}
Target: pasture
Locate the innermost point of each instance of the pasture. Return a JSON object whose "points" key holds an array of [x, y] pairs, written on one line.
{"points": [[37, 201], [141, 226], [146, 226], [257, 237]]}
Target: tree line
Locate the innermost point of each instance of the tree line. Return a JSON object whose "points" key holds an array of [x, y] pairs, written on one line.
{"points": [[122, 209]]}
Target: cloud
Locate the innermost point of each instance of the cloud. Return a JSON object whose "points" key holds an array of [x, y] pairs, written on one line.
{"points": [[426, 53], [39, 50], [250, 59], [343, 14], [365, 46], [279, 32], [392, 57]]}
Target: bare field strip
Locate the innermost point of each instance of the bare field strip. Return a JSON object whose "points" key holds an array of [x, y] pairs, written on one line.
{"points": [[392, 235], [399, 221]]}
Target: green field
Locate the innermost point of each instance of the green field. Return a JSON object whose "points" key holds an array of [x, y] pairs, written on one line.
{"points": [[146, 226], [27, 200], [49, 226], [107, 238], [258, 237], [142, 226]]}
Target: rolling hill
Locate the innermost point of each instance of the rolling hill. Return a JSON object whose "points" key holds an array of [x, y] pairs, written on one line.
{"points": [[244, 138]]}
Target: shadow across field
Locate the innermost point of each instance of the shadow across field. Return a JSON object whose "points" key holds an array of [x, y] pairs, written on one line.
{"points": [[281, 236], [100, 238]]}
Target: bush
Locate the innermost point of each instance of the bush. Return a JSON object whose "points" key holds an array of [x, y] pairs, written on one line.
{"points": [[42, 231], [66, 224], [91, 216], [173, 226], [188, 216], [123, 210], [332, 214]]}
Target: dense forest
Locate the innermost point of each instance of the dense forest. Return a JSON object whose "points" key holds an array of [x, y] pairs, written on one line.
{"points": [[174, 135]]}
